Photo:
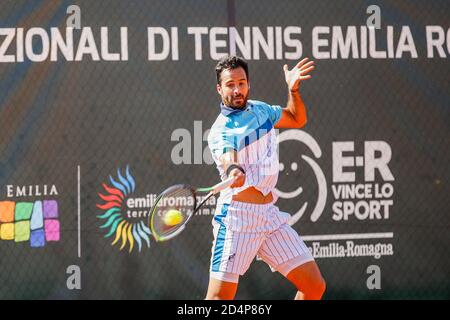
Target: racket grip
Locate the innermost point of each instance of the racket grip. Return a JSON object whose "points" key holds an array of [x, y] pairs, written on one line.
{"points": [[223, 185]]}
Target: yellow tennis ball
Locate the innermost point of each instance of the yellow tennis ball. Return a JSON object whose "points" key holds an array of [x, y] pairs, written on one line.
{"points": [[173, 217]]}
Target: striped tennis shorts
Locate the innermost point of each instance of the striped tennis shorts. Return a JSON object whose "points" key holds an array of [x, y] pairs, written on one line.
{"points": [[243, 231]]}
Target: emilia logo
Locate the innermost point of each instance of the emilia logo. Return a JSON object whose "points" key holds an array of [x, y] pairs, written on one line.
{"points": [[36, 222], [128, 226]]}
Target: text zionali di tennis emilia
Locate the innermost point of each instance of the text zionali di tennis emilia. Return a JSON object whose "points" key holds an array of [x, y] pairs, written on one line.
{"points": [[252, 42]]}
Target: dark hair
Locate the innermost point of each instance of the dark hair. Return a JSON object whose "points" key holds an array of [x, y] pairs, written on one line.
{"points": [[230, 62]]}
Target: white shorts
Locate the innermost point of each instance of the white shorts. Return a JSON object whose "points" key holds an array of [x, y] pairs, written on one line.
{"points": [[235, 246]]}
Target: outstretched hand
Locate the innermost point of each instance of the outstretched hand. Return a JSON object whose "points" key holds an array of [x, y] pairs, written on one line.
{"points": [[298, 73]]}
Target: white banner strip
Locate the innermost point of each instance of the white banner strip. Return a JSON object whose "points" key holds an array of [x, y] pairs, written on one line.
{"points": [[349, 236]]}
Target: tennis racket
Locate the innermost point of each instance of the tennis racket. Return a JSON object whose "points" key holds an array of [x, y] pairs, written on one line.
{"points": [[176, 205]]}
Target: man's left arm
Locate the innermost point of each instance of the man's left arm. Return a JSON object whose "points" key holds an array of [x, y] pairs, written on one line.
{"points": [[294, 115]]}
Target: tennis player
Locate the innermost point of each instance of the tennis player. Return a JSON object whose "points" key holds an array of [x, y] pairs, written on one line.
{"points": [[246, 222]]}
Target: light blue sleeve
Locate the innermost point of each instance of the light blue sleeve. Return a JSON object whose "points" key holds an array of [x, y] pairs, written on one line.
{"points": [[221, 141], [274, 113]]}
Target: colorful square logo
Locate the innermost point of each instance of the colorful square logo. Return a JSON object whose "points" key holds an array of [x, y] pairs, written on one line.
{"points": [[36, 222]]}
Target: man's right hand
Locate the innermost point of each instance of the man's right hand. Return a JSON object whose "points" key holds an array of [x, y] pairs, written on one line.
{"points": [[230, 158], [239, 178]]}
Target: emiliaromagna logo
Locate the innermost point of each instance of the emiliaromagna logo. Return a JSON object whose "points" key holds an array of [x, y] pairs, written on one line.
{"points": [[124, 227]]}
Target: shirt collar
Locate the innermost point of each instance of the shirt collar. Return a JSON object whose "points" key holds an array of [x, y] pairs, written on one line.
{"points": [[226, 111]]}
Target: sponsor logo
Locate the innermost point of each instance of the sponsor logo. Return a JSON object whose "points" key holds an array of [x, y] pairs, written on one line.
{"points": [[350, 249], [34, 221], [361, 192], [124, 217]]}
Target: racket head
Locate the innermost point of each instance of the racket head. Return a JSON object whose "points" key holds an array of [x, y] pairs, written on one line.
{"points": [[172, 209]]}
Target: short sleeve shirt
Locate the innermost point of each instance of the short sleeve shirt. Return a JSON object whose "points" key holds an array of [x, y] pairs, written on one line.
{"points": [[250, 132]]}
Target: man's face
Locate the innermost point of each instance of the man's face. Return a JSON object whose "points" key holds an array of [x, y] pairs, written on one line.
{"points": [[234, 87]]}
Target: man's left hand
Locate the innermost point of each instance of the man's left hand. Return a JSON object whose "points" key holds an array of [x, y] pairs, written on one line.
{"points": [[298, 73]]}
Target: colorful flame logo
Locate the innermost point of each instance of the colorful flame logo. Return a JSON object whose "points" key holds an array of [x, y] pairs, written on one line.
{"points": [[128, 232]]}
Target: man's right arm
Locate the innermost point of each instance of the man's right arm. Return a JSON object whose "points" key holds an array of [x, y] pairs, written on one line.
{"points": [[294, 115], [230, 158]]}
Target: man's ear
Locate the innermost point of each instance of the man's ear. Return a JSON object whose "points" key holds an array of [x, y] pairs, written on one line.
{"points": [[219, 89]]}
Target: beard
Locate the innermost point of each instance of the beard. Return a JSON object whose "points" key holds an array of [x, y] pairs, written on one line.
{"points": [[232, 102]]}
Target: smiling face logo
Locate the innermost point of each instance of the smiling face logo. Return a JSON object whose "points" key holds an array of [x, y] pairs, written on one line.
{"points": [[308, 140], [115, 220]]}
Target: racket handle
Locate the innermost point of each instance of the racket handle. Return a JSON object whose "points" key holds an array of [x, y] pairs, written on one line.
{"points": [[222, 185]]}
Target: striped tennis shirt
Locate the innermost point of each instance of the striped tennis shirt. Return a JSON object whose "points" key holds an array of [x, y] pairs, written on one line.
{"points": [[250, 132]]}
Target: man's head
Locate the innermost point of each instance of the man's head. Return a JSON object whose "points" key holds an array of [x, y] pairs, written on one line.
{"points": [[232, 81]]}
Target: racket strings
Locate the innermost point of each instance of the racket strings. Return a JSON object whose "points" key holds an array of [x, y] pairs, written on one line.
{"points": [[171, 211]]}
